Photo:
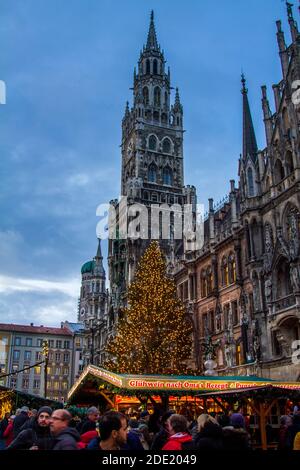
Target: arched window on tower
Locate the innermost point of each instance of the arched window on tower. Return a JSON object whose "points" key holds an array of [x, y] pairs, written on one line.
{"points": [[166, 146], [157, 96], [148, 67], [155, 67], [209, 277], [152, 142], [250, 182], [146, 95], [166, 98], [167, 176], [152, 173]]}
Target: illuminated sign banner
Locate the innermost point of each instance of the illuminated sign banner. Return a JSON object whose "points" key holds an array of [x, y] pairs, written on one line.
{"points": [[165, 384], [170, 383]]}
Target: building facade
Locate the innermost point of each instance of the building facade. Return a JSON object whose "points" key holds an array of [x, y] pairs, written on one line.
{"points": [[23, 346], [242, 288]]}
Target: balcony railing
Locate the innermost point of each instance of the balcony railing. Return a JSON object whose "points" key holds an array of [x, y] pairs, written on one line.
{"points": [[284, 303]]}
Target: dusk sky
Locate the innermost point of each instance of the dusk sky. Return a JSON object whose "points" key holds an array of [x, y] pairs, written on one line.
{"points": [[68, 66]]}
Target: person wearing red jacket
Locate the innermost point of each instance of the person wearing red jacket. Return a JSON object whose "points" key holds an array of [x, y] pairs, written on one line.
{"points": [[8, 433], [178, 434]]}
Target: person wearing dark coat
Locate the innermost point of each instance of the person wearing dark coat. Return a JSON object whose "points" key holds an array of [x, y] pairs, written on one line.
{"points": [[89, 424], [210, 437], [65, 437], [36, 434], [20, 420]]}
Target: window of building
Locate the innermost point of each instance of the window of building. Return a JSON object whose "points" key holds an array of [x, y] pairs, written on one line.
{"points": [[57, 357], [38, 356], [58, 344], [56, 385], [37, 370], [51, 343], [28, 342], [155, 67], [27, 356], [25, 383], [166, 146], [250, 182], [57, 371], [157, 96], [225, 274], [66, 344], [49, 370], [66, 357], [152, 174], [36, 383], [16, 355], [147, 66], [152, 142], [66, 371], [39, 342], [15, 367], [50, 356], [26, 371], [77, 342], [65, 385], [18, 341], [13, 382], [146, 95], [238, 354], [167, 176]]}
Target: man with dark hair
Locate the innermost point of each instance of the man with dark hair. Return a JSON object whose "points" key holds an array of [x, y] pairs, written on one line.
{"points": [[65, 437], [177, 429], [35, 433], [113, 432]]}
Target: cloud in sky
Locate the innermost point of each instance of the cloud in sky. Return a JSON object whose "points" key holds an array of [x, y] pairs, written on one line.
{"points": [[68, 67]]}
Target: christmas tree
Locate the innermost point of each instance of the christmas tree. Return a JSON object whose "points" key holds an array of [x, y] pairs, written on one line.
{"points": [[154, 335]]}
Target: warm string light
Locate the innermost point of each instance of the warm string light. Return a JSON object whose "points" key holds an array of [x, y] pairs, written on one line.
{"points": [[153, 336]]}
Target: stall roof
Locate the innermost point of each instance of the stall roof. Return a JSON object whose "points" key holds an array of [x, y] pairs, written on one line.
{"points": [[172, 383]]}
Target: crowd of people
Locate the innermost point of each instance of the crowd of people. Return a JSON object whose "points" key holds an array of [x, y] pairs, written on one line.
{"points": [[47, 429]]}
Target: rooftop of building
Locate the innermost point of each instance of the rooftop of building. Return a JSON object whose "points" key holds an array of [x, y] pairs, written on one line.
{"points": [[48, 330]]}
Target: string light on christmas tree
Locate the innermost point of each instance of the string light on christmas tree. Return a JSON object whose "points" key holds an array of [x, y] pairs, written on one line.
{"points": [[154, 335]]}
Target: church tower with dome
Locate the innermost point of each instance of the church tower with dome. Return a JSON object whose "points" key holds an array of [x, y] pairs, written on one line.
{"points": [[92, 306]]}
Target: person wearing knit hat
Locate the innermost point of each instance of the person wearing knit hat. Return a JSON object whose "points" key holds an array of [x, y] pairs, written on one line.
{"points": [[36, 434], [237, 420]]}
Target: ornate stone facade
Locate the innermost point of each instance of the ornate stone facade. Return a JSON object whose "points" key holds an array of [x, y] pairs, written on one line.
{"points": [[243, 286]]}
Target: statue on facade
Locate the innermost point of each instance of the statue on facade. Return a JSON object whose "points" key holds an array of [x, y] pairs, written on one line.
{"points": [[293, 235], [295, 277], [228, 354], [268, 290], [269, 247]]}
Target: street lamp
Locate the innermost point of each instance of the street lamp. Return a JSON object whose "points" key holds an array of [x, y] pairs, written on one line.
{"points": [[45, 354]]}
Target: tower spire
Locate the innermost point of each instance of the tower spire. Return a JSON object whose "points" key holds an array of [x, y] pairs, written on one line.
{"points": [[99, 253], [151, 39], [177, 103], [249, 139]]}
